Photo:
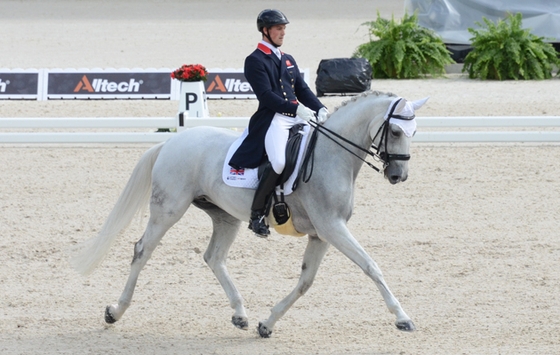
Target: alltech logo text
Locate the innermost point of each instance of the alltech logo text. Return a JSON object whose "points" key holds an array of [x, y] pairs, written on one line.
{"points": [[104, 85], [223, 83], [110, 85], [4, 85]]}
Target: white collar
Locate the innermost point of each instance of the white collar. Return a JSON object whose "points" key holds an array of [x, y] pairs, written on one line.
{"points": [[274, 50]]}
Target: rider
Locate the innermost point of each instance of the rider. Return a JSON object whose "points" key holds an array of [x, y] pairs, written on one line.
{"points": [[284, 100]]}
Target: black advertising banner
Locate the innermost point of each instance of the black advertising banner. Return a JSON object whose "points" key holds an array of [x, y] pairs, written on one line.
{"points": [[15, 85], [71, 84], [107, 85]]}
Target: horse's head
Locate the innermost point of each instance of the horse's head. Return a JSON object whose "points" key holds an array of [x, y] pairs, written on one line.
{"points": [[394, 136]]}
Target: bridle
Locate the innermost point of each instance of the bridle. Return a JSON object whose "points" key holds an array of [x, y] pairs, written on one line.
{"points": [[386, 157], [382, 157]]}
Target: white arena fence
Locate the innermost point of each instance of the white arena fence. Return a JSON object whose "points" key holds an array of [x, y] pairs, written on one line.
{"points": [[470, 129]]}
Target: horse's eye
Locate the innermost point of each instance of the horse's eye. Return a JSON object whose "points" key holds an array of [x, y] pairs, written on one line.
{"points": [[396, 132]]}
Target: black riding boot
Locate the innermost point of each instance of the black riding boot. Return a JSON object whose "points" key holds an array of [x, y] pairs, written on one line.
{"points": [[266, 187]]}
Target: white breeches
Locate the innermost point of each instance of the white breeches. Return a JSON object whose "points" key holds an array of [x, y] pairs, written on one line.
{"points": [[277, 138]]}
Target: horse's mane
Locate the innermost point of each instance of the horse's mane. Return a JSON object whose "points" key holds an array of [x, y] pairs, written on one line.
{"points": [[364, 94]]}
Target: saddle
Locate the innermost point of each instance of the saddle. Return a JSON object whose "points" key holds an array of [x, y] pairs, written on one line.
{"points": [[287, 182]]}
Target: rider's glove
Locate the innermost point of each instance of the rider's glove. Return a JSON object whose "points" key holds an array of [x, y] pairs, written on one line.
{"points": [[322, 115], [305, 113]]}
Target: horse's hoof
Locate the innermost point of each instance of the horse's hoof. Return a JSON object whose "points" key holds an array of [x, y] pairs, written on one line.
{"points": [[108, 316], [406, 326], [264, 332], [240, 322]]}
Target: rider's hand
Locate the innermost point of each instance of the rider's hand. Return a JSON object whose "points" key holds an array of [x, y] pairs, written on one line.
{"points": [[305, 113], [322, 115]]}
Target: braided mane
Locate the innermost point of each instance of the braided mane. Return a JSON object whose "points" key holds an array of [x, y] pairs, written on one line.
{"points": [[363, 94]]}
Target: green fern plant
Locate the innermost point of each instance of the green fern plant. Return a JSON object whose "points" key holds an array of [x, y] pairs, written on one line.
{"points": [[506, 51], [403, 50]]}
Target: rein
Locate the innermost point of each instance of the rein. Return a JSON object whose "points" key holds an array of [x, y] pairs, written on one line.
{"points": [[383, 157], [325, 131]]}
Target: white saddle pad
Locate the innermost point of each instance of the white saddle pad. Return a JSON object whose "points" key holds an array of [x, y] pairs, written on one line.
{"points": [[247, 178]]}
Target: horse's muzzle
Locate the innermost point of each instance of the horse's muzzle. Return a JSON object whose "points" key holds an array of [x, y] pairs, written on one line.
{"points": [[394, 179], [395, 174]]}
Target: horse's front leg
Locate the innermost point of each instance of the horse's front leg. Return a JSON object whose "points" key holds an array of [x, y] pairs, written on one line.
{"points": [[225, 229], [314, 253], [341, 238]]}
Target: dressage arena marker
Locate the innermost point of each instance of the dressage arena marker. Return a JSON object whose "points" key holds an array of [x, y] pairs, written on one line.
{"points": [[182, 121]]}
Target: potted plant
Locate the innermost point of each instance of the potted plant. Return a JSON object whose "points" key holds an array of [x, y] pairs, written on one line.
{"points": [[506, 51], [403, 50], [190, 72]]}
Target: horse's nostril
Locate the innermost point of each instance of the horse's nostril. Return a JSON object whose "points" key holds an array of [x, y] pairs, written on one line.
{"points": [[395, 178]]}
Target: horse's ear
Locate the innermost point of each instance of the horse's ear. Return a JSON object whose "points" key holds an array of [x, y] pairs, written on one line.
{"points": [[419, 103], [401, 105]]}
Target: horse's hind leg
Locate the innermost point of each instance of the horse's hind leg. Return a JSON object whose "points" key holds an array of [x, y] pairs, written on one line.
{"points": [[225, 228], [314, 253], [163, 215]]}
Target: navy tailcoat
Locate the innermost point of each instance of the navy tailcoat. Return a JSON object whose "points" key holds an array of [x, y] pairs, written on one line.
{"points": [[279, 87]]}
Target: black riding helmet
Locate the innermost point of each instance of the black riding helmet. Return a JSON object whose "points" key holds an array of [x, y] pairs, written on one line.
{"points": [[268, 18]]}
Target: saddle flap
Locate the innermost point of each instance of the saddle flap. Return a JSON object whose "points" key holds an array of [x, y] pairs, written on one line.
{"points": [[292, 151]]}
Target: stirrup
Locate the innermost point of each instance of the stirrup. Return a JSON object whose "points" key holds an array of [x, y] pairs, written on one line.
{"points": [[257, 225]]}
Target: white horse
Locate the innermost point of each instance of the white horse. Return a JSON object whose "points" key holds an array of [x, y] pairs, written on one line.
{"points": [[187, 169]]}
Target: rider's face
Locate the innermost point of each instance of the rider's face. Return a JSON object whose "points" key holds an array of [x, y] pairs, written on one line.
{"points": [[276, 33]]}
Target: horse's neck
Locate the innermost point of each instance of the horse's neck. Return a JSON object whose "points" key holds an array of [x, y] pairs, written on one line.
{"points": [[358, 121], [355, 123]]}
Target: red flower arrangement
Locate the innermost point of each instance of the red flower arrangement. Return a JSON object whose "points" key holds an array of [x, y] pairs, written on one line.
{"points": [[190, 72]]}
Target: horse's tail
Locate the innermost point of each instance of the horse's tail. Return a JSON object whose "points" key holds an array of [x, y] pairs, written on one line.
{"points": [[134, 198]]}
